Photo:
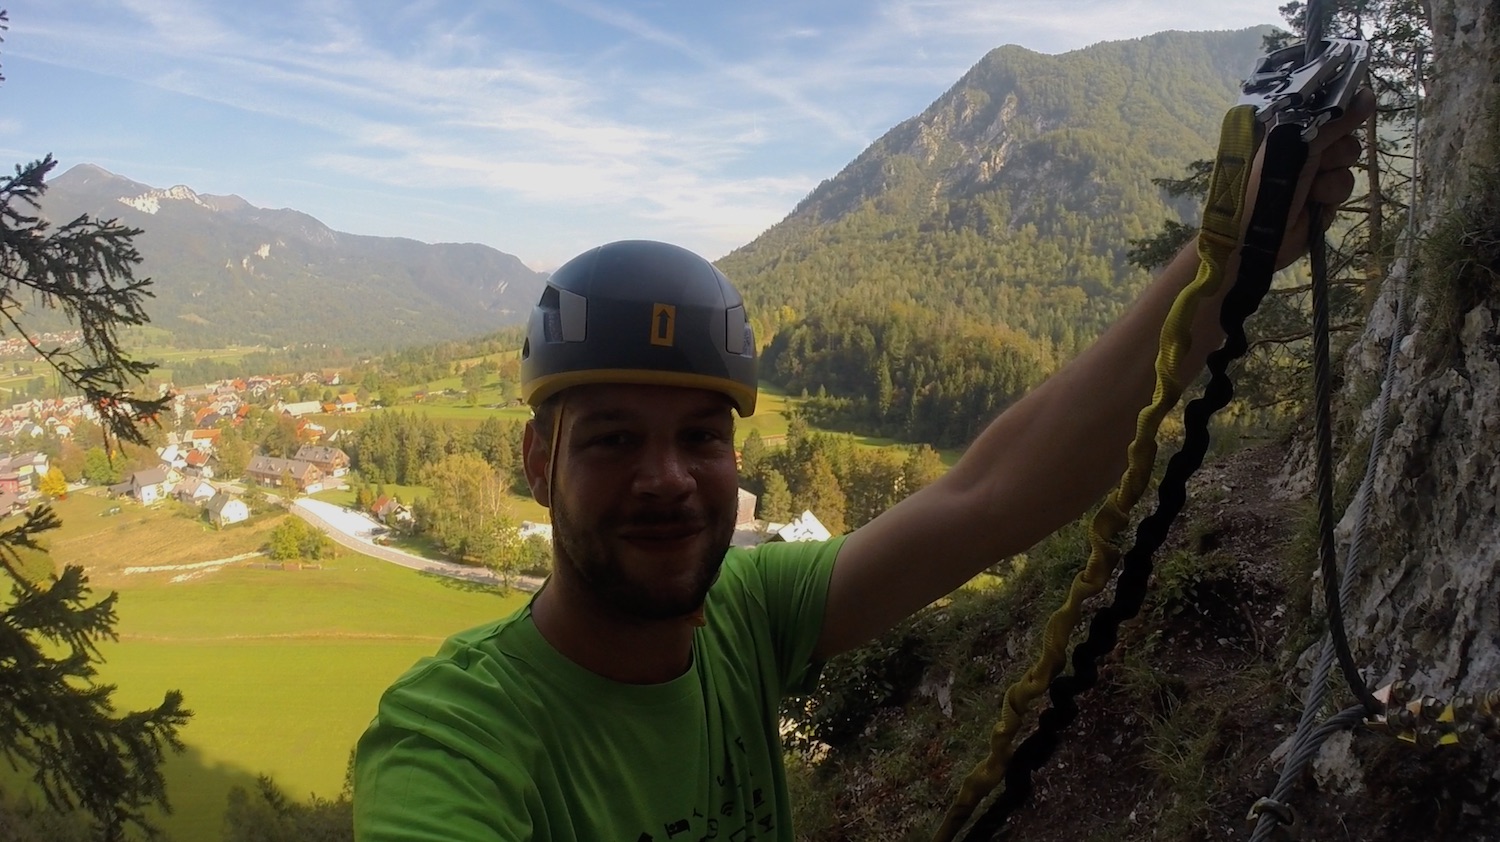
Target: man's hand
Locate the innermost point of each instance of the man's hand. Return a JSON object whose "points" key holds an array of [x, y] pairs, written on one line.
{"points": [[1327, 178]]}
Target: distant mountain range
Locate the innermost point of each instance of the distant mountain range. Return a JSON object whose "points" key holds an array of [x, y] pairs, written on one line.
{"points": [[226, 271]]}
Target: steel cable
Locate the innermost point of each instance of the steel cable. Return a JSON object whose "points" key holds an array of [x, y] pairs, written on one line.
{"points": [[1306, 741]]}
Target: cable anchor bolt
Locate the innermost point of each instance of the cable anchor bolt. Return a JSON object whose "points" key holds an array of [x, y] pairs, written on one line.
{"points": [[1280, 811]]}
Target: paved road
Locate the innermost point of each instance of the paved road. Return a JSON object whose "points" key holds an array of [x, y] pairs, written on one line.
{"points": [[356, 531]]}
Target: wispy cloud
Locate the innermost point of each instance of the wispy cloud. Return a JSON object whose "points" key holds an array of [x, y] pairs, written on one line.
{"points": [[750, 76], [1057, 26], [440, 114], [180, 23]]}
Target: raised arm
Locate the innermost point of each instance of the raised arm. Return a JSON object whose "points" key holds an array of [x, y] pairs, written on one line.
{"points": [[1055, 452]]}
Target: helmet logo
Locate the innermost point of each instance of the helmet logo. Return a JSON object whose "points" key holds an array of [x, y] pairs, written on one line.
{"points": [[663, 324]]}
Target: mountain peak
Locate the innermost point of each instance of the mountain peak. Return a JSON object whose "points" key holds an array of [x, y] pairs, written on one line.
{"points": [[224, 204], [94, 178], [87, 171]]}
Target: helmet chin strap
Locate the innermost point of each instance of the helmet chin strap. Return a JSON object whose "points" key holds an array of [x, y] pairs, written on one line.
{"points": [[557, 425], [694, 617]]}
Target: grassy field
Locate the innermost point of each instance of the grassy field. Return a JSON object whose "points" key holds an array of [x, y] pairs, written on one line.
{"points": [[282, 668], [166, 355], [769, 419], [163, 356], [165, 534]]}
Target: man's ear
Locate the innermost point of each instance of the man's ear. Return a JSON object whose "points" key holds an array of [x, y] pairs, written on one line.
{"points": [[536, 458]]}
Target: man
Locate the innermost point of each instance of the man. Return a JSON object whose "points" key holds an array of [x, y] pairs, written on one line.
{"points": [[635, 698]]}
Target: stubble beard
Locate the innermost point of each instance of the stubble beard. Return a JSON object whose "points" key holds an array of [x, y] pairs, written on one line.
{"points": [[600, 573]]}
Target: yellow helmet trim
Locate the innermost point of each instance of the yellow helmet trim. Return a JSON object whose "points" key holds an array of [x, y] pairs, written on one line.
{"points": [[546, 386]]}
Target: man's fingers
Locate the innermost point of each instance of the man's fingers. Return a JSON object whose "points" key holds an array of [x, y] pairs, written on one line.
{"points": [[1360, 109], [1331, 188], [1341, 154]]}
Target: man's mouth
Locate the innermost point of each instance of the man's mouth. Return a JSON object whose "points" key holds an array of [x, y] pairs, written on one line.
{"points": [[662, 533]]}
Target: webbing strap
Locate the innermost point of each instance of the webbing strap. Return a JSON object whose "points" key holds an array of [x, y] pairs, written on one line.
{"points": [[1285, 155], [1217, 240]]}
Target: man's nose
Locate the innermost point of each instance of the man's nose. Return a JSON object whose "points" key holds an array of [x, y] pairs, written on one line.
{"points": [[665, 471]]}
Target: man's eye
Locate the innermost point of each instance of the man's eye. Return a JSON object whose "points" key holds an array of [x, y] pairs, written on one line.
{"points": [[610, 440]]}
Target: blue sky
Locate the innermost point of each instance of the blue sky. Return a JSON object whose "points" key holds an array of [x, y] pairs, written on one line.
{"points": [[539, 128]]}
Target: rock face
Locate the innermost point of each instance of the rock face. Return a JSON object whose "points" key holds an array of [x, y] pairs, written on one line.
{"points": [[1425, 603]]}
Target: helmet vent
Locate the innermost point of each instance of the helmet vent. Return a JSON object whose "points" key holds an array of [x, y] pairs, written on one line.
{"points": [[552, 326], [573, 312], [736, 331], [547, 309]]}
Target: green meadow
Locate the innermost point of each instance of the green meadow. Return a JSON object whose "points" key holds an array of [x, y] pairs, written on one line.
{"points": [[281, 667]]}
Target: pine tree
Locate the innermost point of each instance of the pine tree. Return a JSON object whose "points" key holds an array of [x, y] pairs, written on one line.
{"points": [[752, 458], [56, 720], [775, 503], [823, 496]]}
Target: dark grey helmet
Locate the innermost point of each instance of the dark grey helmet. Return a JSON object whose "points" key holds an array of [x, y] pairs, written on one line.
{"points": [[639, 311]]}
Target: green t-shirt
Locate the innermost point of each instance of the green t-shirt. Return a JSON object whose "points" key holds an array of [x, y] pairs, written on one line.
{"points": [[499, 737]]}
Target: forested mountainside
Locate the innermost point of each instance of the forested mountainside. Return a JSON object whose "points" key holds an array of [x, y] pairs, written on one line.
{"points": [[997, 223], [225, 271], [1012, 198]]}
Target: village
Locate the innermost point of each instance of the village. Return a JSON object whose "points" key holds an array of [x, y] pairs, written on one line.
{"points": [[187, 466]]}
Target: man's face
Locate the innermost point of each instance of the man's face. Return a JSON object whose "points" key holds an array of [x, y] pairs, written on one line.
{"points": [[644, 495]]}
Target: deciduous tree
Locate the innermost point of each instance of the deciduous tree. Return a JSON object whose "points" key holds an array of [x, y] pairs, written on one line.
{"points": [[232, 453], [468, 513], [70, 459], [284, 542], [54, 484], [98, 468]]}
